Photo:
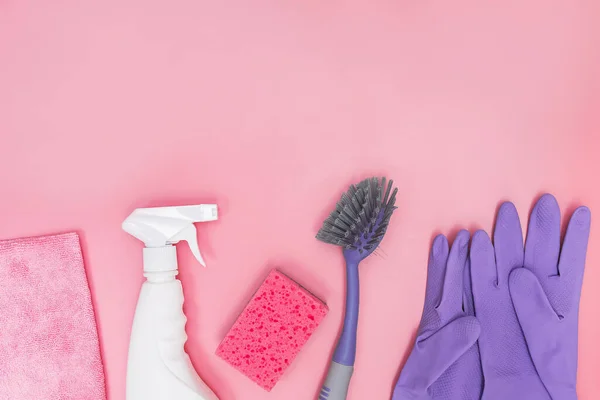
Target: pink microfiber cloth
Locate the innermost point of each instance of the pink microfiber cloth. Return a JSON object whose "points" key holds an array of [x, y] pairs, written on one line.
{"points": [[272, 329], [48, 339]]}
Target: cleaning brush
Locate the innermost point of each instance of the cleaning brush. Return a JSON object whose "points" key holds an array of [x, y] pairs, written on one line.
{"points": [[357, 224]]}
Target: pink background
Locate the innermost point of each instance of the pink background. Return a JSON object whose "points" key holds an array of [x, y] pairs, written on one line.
{"points": [[270, 110]]}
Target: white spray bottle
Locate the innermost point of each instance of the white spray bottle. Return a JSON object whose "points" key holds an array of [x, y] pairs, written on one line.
{"points": [[158, 367]]}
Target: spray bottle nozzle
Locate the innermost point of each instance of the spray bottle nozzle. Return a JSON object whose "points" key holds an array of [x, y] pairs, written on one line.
{"points": [[165, 226]]}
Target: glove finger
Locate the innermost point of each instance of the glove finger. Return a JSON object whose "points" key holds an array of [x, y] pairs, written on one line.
{"points": [[483, 265], [543, 238], [508, 242], [452, 295], [540, 325], [501, 343], [436, 269], [566, 294], [468, 303], [434, 355]]}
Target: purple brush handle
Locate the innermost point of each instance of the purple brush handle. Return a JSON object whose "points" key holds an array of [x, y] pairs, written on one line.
{"points": [[345, 352], [341, 368]]}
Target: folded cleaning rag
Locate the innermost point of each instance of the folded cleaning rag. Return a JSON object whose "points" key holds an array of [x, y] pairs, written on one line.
{"points": [[48, 339]]}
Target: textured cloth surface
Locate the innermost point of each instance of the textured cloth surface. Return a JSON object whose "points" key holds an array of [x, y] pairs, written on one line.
{"points": [[49, 346], [444, 363], [272, 329]]}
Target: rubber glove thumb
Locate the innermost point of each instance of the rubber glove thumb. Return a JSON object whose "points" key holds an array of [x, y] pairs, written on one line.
{"points": [[544, 333], [433, 355]]}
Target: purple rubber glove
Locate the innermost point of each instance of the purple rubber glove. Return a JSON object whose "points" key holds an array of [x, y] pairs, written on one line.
{"points": [[546, 294], [444, 363], [527, 351]]}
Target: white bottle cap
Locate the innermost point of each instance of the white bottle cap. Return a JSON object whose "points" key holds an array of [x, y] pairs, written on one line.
{"points": [[162, 227]]}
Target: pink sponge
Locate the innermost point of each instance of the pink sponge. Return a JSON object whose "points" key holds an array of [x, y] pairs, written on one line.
{"points": [[272, 329]]}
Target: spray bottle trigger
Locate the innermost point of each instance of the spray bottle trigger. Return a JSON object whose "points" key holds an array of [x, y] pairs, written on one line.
{"points": [[189, 235]]}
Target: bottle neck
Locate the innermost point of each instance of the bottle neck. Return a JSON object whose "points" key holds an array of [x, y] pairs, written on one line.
{"points": [[160, 259], [161, 276]]}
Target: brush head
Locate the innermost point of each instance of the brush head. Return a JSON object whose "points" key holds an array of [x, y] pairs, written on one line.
{"points": [[360, 218]]}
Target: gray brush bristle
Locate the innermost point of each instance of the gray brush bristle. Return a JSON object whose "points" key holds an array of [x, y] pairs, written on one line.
{"points": [[364, 211]]}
